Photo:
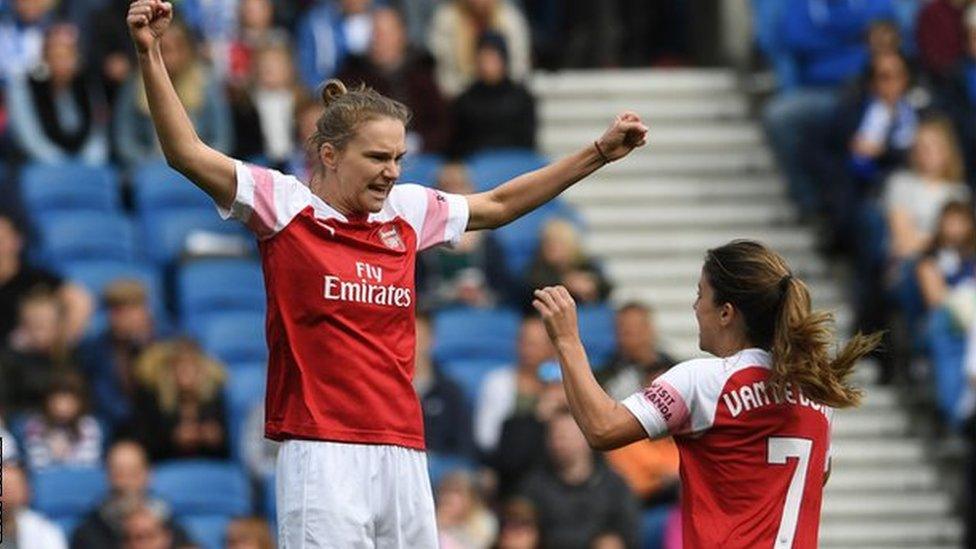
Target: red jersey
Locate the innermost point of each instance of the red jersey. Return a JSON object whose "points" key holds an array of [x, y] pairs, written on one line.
{"points": [[340, 322], [752, 463]]}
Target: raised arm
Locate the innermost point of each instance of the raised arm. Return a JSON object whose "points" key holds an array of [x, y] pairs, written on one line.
{"points": [[517, 197], [605, 423], [209, 169]]}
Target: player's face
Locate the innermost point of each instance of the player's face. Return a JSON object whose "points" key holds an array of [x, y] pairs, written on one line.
{"points": [[707, 313], [370, 164]]}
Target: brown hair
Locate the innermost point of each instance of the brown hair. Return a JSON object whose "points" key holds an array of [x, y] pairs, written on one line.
{"points": [[775, 306], [251, 529], [345, 110], [154, 369], [953, 171], [964, 209]]}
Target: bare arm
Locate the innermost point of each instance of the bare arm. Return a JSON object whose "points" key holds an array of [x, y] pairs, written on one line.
{"points": [[606, 423], [906, 240], [209, 169], [930, 282], [517, 197]]}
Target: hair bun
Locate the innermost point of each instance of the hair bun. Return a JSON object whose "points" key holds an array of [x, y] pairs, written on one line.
{"points": [[332, 90]]}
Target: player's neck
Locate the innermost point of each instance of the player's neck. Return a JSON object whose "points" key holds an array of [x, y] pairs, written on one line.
{"points": [[329, 194], [730, 345]]}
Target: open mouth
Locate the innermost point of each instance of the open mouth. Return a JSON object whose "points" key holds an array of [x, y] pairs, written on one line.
{"points": [[379, 189]]}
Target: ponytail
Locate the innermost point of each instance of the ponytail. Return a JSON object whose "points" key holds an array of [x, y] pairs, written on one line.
{"points": [[801, 351], [776, 308]]}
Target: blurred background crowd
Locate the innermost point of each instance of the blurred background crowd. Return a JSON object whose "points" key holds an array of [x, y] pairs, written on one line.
{"points": [[131, 319]]}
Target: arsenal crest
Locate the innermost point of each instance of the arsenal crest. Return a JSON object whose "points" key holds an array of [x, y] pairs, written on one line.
{"points": [[391, 238]]}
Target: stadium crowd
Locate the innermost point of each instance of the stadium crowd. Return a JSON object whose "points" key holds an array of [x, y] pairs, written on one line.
{"points": [[874, 127], [131, 319]]}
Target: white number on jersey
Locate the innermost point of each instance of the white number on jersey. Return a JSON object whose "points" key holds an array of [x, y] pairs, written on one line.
{"points": [[781, 448]]}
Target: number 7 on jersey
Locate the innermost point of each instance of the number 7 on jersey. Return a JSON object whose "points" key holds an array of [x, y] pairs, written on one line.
{"points": [[780, 449]]}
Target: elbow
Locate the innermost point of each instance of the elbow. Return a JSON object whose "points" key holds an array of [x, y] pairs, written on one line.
{"points": [[601, 439]]}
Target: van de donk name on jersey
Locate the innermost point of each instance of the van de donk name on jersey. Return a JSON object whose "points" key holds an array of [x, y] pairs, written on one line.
{"points": [[368, 289]]}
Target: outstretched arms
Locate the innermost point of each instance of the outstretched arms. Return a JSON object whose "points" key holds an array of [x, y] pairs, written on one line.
{"points": [[517, 197]]}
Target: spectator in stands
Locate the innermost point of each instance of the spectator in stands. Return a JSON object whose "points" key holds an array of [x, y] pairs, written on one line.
{"points": [[524, 432], [561, 260], [950, 259], [21, 526], [577, 496], [637, 356], [940, 35], [495, 112], [111, 58], [519, 525], [56, 114], [456, 30], [21, 35], [145, 528], [447, 415], [63, 434], [256, 30], [17, 279], [463, 520], [264, 109], [8, 446], [199, 91], [249, 533], [914, 198], [327, 34], [508, 390], [302, 160], [109, 359], [392, 68], [957, 95], [474, 271], [816, 47], [179, 407], [38, 352], [128, 478]]}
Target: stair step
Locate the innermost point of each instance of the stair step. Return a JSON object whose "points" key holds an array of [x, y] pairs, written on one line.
{"points": [[617, 242], [671, 269], [865, 506], [891, 533], [599, 189], [599, 85], [726, 137], [696, 216], [642, 163], [891, 478], [876, 453], [565, 112]]}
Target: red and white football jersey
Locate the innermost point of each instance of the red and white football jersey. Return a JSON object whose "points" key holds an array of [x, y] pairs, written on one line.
{"points": [[752, 463], [340, 323]]}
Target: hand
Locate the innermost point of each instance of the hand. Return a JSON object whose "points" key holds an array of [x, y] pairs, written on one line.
{"points": [[148, 21], [558, 312], [626, 133]]}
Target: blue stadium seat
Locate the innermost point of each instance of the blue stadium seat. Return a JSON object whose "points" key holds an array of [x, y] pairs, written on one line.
{"points": [[219, 285], [208, 531], [469, 374], [421, 168], [166, 231], [203, 487], [598, 331], [65, 494], [244, 390], [158, 187], [490, 168], [80, 235], [53, 187], [439, 465], [466, 333], [95, 275], [235, 337]]}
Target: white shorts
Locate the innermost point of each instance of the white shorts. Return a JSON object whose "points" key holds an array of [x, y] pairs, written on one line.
{"points": [[334, 494]]}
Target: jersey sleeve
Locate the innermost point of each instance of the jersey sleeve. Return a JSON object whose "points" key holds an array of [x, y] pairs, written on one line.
{"points": [[680, 401], [437, 217], [265, 200]]}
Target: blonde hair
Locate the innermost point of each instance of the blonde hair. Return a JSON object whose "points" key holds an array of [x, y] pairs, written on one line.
{"points": [[776, 308], [154, 369], [562, 230], [953, 170], [346, 110]]}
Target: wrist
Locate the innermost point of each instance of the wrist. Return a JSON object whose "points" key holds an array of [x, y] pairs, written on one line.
{"points": [[601, 151]]}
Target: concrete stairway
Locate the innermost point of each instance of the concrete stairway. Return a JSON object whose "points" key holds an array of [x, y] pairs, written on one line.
{"points": [[705, 178]]}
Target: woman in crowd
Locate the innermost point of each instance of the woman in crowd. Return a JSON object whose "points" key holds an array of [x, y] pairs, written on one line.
{"points": [[562, 261]]}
